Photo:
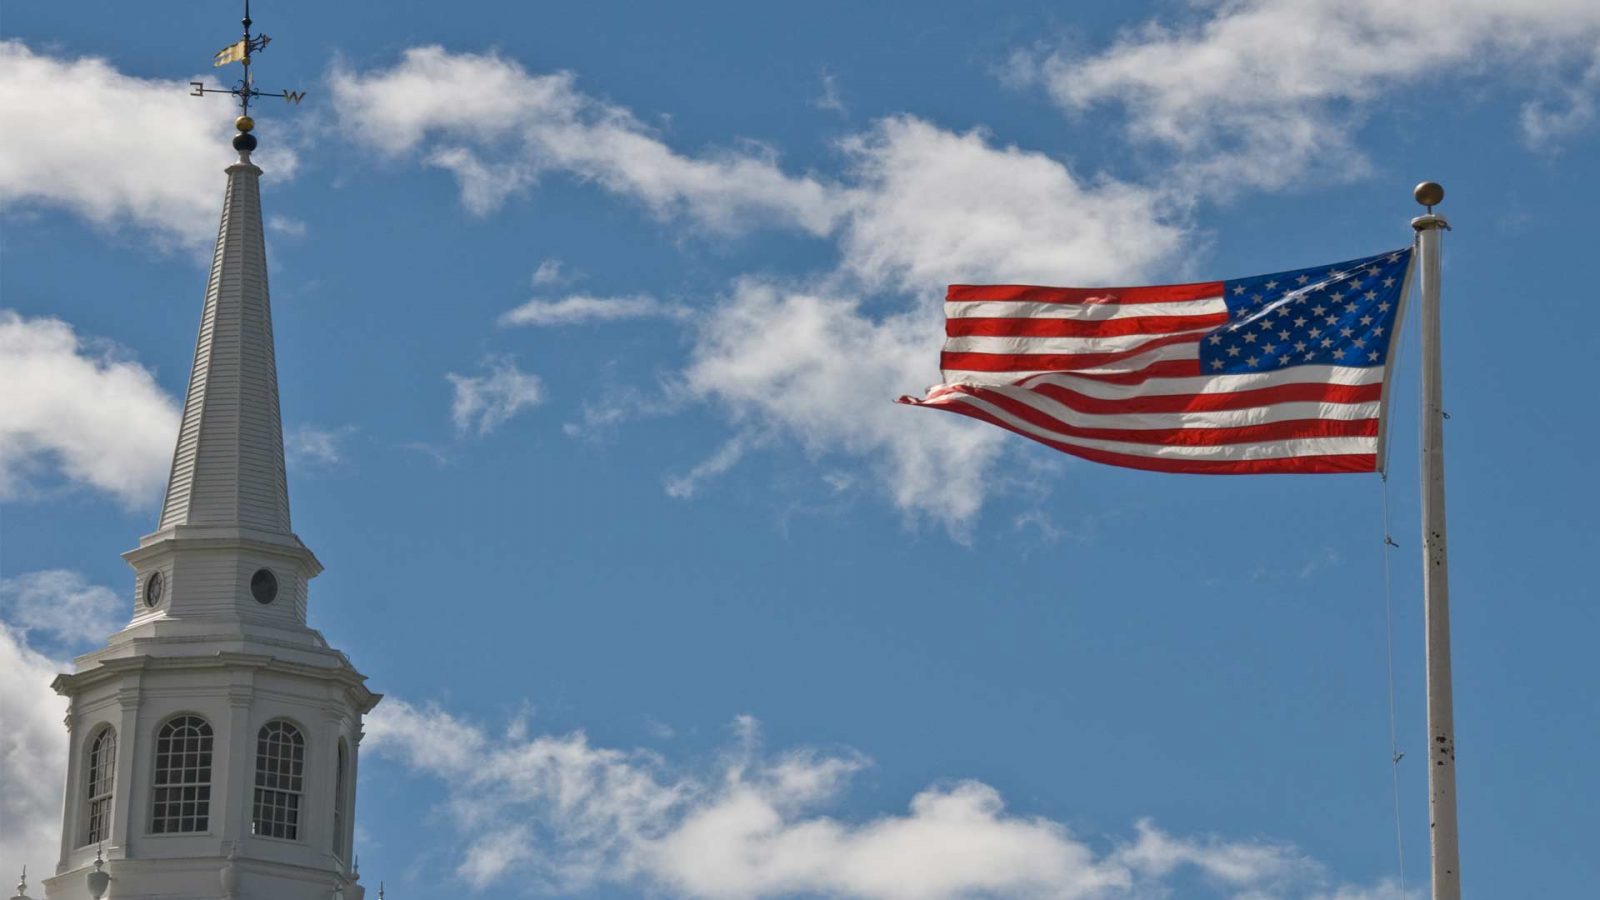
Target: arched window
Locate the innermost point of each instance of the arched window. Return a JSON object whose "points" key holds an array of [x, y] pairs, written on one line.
{"points": [[340, 778], [280, 776], [99, 779], [181, 801]]}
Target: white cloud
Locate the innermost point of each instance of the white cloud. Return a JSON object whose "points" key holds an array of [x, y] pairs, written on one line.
{"points": [[816, 367], [561, 813], [1384, 889], [483, 403], [924, 204], [1254, 92], [62, 605], [919, 206], [727, 456], [829, 99], [580, 308], [286, 226], [484, 186], [113, 148], [62, 609], [931, 207], [551, 272], [497, 127], [1573, 109], [33, 755], [928, 207], [603, 415], [308, 444], [76, 408]]}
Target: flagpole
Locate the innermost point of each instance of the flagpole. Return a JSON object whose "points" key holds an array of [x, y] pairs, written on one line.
{"points": [[1446, 853]]}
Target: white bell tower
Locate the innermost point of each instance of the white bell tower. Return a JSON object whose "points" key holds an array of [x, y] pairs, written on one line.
{"points": [[215, 739]]}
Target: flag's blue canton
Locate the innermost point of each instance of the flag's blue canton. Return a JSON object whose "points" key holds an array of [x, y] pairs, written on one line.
{"points": [[1339, 315]]}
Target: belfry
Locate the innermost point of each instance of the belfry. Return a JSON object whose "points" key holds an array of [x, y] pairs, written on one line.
{"points": [[214, 740]]}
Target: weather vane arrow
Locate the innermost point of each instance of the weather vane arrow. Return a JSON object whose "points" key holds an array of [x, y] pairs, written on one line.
{"points": [[245, 89]]}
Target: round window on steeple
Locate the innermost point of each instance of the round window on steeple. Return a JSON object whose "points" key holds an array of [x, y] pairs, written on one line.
{"points": [[154, 587], [264, 586]]}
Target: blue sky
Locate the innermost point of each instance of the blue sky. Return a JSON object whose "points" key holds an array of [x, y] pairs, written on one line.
{"points": [[589, 320]]}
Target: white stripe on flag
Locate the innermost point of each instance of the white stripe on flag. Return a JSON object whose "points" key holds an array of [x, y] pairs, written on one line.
{"points": [[1225, 418], [1212, 384], [1185, 350], [1058, 344], [1091, 312]]}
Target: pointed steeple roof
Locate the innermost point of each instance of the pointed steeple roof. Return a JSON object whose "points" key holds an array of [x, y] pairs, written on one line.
{"points": [[227, 470]]}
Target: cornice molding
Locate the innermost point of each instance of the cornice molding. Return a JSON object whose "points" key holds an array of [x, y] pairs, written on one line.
{"points": [[353, 682], [176, 540]]}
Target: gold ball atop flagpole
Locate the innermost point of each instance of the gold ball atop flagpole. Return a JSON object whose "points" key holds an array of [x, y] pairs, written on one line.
{"points": [[1429, 194], [245, 123]]}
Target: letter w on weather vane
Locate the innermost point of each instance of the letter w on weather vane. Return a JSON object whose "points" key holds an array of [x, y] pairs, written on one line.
{"points": [[240, 51]]}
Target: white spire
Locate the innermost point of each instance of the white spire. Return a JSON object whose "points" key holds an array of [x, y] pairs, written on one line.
{"points": [[227, 470]]}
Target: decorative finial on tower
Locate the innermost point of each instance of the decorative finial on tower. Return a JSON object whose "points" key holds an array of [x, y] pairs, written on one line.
{"points": [[245, 88], [229, 876], [99, 880], [1429, 194], [380, 890], [22, 885]]}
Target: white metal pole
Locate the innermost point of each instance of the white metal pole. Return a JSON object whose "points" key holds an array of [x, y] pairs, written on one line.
{"points": [[1435, 564]]}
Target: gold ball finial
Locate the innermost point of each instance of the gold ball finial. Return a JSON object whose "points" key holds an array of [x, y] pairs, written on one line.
{"points": [[245, 123], [1429, 194]]}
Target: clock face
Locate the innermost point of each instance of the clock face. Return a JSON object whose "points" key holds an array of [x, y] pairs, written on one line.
{"points": [[264, 586], [154, 587]]}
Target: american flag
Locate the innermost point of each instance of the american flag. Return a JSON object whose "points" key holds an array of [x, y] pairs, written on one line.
{"points": [[1285, 372]]}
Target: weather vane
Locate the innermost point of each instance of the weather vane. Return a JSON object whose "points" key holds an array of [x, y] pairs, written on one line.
{"points": [[245, 88]]}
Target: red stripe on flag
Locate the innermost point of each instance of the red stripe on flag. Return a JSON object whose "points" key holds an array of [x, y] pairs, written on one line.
{"points": [[1048, 328], [1166, 293], [1193, 436]]}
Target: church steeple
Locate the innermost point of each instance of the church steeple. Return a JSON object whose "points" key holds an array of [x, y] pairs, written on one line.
{"points": [[215, 740], [228, 486], [227, 470]]}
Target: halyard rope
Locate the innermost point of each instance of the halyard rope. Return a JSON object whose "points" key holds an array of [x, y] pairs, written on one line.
{"points": [[1395, 755]]}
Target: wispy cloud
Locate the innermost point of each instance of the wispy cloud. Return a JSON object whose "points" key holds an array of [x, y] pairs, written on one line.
{"points": [[550, 273], [602, 416], [163, 172], [567, 814], [1048, 531], [726, 457], [817, 361], [829, 99], [580, 308], [440, 456], [74, 407], [286, 226], [562, 811], [33, 752], [497, 127], [1572, 108], [310, 445], [62, 607], [484, 402], [1255, 93], [1318, 561], [932, 206]]}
